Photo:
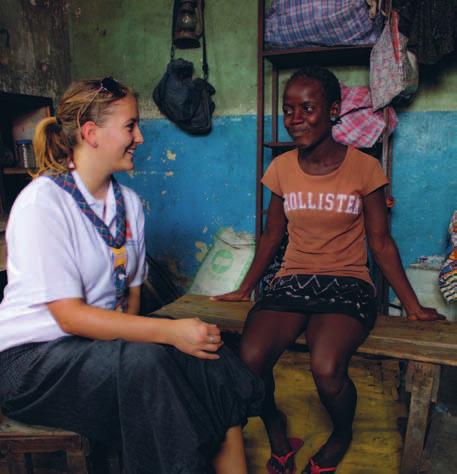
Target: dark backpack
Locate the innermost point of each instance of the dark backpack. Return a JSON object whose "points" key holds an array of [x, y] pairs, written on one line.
{"points": [[183, 100]]}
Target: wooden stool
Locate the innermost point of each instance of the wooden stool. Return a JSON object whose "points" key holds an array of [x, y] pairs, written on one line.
{"points": [[18, 440]]}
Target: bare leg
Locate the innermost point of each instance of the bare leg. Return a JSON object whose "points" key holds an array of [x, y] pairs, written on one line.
{"points": [[332, 340], [231, 458], [265, 337]]}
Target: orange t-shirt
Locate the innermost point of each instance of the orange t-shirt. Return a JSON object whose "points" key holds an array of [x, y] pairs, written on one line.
{"points": [[325, 214]]}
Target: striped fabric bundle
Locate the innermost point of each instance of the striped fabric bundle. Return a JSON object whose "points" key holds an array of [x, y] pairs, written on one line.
{"points": [[448, 274], [302, 23]]}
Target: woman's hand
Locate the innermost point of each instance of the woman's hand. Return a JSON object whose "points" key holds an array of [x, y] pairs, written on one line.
{"points": [[196, 338], [237, 295], [425, 314]]}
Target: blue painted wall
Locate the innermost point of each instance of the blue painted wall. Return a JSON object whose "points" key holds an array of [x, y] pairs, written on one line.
{"points": [[424, 182], [192, 186], [210, 183]]}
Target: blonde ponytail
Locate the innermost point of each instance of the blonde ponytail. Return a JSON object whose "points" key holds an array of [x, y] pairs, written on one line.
{"points": [[51, 152]]}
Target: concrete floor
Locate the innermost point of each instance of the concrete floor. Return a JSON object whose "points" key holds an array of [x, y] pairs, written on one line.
{"points": [[377, 443]]}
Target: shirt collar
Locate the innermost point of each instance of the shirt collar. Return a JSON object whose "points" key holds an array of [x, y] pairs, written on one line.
{"points": [[97, 205]]}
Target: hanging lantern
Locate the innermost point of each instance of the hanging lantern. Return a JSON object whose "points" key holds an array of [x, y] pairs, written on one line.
{"points": [[188, 21]]}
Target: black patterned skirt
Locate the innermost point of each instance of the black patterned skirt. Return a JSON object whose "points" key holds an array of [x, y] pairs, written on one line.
{"points": [[166, 411], [310, 294]]}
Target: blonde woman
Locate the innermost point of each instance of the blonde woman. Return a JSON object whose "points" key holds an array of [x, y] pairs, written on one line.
{"points": [[74, 353]]}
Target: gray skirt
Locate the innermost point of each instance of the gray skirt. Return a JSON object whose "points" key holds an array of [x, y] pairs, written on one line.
{"points": [[167, 412]]}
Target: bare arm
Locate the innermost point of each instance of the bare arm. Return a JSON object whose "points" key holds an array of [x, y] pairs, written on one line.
{"points": [[268, 246], [133, 303], [387, 256], [191, 336]]}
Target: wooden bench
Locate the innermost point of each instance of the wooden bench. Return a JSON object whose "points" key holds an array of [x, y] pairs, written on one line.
{"points": [[18, 441], [425, 346]]}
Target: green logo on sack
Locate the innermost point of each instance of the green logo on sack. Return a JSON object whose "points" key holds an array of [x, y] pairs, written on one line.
{"points": [[222, 261]]}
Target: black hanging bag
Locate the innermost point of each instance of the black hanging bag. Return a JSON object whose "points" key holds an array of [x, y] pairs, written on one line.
{"points": [[185, 101]]}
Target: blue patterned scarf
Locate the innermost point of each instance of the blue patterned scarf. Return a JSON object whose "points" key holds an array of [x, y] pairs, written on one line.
{"points": [[117, 244]]}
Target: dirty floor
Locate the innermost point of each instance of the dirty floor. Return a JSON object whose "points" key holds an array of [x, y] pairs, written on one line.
{"points": [[377, 443]]}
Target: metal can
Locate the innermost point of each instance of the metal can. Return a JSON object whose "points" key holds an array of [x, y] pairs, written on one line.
{"points": [[24, 154]]}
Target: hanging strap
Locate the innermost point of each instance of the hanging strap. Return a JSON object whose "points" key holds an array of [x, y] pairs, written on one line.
{"points": [[205, 66], [173, 23]]}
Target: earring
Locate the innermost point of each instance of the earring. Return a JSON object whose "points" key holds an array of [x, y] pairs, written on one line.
{"points": [[335, 120]]}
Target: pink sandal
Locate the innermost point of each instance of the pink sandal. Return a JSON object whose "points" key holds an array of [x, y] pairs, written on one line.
{"points": [[281, 461], [316, 469]]}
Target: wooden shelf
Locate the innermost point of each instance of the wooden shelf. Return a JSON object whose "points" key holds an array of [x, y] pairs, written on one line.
{"points": [[3, 221], [19, 170], [323, 56], [2, 251]]}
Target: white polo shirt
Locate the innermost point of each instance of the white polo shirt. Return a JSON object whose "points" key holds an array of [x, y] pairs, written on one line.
{"points": [[55, 252]]}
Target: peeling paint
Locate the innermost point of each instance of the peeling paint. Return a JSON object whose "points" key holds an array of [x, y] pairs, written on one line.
{"points": [[203, 250], [169, 173], [146, 205], [171, 156], [38, 56], [134, 173]]}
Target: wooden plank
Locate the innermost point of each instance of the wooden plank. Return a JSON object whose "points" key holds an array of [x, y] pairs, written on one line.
{"points": [[421, 392], [41, 444], [19, 170], [409, 351], [197, 306], [426, 466], [325, 56], [11, 429], [436, 385], [432, 342], [76, 461], [17, 463], [401, 329], [3, 254]]}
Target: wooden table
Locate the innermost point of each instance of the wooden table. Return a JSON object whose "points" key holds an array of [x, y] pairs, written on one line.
{"points": [[425, 346]]}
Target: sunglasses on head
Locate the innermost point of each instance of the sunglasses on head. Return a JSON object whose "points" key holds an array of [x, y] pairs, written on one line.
{"points": [[107, 85]]}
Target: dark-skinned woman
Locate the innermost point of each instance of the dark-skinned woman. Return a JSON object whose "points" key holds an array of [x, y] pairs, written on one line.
{"points": [[330, 199]]}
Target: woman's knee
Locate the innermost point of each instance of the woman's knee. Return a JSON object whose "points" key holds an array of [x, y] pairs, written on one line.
{"points": [[328, 373], [256, 356], [143, 358]]}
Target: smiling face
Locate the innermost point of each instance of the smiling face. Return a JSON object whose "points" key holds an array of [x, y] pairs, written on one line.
{"points": [[307, 113], [119, 135]]}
